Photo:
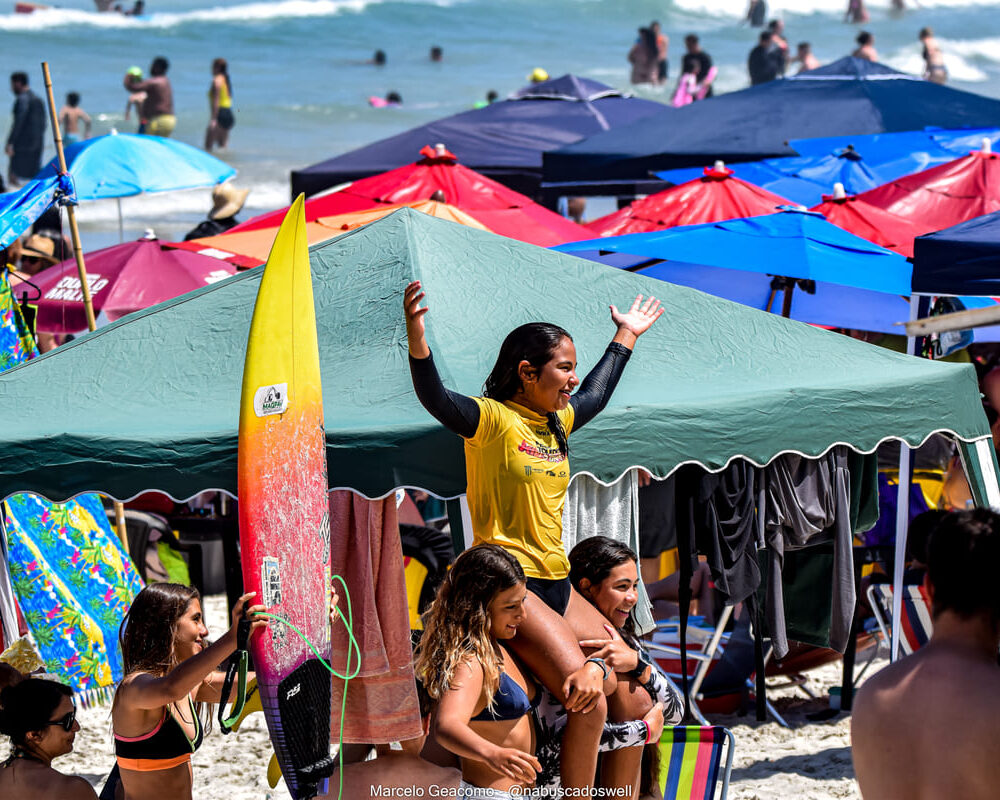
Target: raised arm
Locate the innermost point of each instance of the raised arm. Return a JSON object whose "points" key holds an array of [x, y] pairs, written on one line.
{"points": [[600, 383], [458, 413], [147, 691]]}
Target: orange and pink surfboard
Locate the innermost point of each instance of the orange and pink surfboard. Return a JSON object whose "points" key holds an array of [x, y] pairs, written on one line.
{"points": [[284, 511]]}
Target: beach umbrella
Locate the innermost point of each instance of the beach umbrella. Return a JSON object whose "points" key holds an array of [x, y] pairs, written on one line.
{"points": [[858, 162], [125, 164], [944, 195], [869, 222], [123, 278], [439, 173], [19, 209], [715, 195], [821, 273], [505, 140], [851, 96], [963, 259], [250, 248], [720, 381]]}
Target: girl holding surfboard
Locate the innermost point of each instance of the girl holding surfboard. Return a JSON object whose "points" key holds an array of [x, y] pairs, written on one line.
{"points": [[483, 693], [168, 669], [516, 452]]}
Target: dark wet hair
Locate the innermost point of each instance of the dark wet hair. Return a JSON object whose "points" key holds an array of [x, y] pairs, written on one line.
{"points": [[221, 67], [536, 343], [492, 95], [864, 38], [73, 99], [379, 57], [393, 97], [593, 558], [925, 32], [147, 633], [159, 66], [436, 53], [962, 559], [28, 705], [19, 77], [691, 38]]}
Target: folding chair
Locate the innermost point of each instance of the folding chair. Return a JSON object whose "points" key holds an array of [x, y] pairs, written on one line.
{"points": [[916, 625], [690, 760]]}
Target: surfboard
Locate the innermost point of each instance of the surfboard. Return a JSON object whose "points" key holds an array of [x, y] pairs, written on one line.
{"points": [[284, 511]]}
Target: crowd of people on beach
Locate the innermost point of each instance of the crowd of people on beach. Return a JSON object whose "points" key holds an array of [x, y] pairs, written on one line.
{"points": [[771, 58]]}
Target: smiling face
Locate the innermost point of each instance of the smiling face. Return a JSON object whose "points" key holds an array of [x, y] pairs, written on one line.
{"points": [[190, 632], [54, 740], [616, 595], [548, 388], [506, 611]]}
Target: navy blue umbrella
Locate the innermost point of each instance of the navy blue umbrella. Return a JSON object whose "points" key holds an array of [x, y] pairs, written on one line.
{"points": [[962, 259], [504, 140], [848, 97]]}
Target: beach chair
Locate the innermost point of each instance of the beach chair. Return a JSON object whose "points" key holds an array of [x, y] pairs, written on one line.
{"points": [[690, 761], [915, 626]]}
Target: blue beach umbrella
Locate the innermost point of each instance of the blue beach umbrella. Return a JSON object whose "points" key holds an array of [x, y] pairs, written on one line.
{"points": [[860, 163], [126, 164], [794, 262], [20, 209]]}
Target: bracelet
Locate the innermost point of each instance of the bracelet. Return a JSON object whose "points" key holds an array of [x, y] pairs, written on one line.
{"points": [[649, 731], [601, 664]]}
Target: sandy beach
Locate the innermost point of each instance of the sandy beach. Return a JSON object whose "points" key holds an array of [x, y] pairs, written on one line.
{"points": [[809, 761]]}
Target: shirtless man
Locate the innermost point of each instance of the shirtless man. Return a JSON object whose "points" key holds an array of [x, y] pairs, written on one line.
{"points": [[866, 47], [71, 117], [927, 726]]}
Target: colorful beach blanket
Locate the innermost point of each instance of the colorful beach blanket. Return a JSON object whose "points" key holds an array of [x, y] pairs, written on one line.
{"points": [[74, 583]]}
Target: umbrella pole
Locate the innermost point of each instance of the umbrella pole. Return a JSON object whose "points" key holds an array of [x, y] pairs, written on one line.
{"points": [[786, 302], [121, 223], [81, 267]]}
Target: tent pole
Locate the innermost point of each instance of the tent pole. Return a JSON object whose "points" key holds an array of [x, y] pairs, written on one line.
{"points": [[902, 511], [786, 302], [81, 267]]}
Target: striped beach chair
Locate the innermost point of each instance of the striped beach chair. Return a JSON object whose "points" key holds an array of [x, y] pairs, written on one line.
{"points": [[690, 760], [915, 626]]}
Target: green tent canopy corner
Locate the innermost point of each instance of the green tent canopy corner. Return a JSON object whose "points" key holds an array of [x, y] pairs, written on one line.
{"points": [[152, 401]]}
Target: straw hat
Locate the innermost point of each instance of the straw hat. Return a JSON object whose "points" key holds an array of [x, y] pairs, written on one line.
{"points": [[227, 201], [42, 247]]}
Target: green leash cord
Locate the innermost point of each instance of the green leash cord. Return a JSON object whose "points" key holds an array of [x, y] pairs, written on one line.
{"points": [[237, 667], [353, 647]]}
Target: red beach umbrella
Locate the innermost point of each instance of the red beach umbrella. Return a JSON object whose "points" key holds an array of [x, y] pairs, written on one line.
{"points": [[714, 197], [869, 222], [944, 195], [500, 209], [124, 278]]}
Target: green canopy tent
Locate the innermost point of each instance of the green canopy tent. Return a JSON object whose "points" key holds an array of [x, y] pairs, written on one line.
{"points": [[151, 401]]}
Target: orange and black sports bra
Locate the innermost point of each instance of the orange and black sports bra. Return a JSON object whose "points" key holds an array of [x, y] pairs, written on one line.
{"points": [[166, 746]]}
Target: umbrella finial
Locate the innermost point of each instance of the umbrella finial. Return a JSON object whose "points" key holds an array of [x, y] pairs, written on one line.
{"points": [[838, 191], [441, 150], [720, 165], [987, 145]]}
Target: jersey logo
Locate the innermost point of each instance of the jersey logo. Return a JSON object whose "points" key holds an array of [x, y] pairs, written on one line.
{"points": [[540, 451]]}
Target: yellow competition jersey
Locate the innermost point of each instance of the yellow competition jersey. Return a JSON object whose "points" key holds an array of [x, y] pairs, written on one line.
{"points": [[517, 481]]}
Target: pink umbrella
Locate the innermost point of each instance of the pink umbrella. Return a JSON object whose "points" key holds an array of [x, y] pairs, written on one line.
{"points": [[124, 278]]}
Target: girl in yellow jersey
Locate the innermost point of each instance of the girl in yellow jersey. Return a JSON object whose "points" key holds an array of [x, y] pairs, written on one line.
{"points": [[517, 465], [220, 103]]}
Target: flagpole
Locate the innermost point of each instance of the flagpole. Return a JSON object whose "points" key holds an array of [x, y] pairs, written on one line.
{"points": [[81, 267]]}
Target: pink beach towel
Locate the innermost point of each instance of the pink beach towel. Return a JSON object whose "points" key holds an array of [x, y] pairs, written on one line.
{"points": [[365, 549]]}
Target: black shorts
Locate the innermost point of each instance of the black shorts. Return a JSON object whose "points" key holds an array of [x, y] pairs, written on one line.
{"points": [[554, 593], [225, 119]]}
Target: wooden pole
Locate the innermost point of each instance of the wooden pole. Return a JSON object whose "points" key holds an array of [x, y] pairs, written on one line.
{"points": [[81, 267]]}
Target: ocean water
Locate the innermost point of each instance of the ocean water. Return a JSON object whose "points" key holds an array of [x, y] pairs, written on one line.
{"points": [[300, 81]]}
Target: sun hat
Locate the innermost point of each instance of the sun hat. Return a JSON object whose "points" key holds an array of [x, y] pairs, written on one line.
{"points": [[227, 201], [135, 72], [42, 247]]}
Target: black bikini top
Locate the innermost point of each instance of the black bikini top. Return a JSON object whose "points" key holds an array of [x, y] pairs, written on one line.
{"points": [[510, 702]]}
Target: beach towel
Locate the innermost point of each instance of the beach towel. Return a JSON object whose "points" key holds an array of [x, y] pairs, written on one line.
{"points": [[74, 582], [365, 549], [593, 509]]}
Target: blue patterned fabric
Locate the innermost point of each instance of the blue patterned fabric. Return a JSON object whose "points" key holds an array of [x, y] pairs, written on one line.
{"points": [[74, 582]]}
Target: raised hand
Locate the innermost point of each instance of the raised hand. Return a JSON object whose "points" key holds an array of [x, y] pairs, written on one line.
{"points": [[414, 316], [638, 319]]}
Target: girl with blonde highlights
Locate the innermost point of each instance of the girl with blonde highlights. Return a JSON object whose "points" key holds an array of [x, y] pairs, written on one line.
{"points": [[482, 692]]}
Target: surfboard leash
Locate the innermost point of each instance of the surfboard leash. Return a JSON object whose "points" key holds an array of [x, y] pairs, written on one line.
{"points": [[236, 671], [353, 647]]}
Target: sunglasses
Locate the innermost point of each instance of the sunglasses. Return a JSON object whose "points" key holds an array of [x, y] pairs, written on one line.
{"points": [[65, 722]]}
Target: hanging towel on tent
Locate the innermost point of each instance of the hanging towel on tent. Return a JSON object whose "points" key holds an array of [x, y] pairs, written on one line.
{"points": [[593, 509], [808, 502], [74, 583], [16, 342], [365, 549]]}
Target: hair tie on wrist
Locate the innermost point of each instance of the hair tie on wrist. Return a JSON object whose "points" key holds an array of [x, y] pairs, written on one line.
{"points": [[601, 664]]}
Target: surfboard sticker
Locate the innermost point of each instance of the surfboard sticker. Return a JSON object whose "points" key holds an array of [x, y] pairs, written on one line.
{"points": [[271, 399]]}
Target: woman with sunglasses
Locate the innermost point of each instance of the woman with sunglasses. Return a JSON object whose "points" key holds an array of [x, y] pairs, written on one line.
{"points": [[40, 718], [169, 671]]}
